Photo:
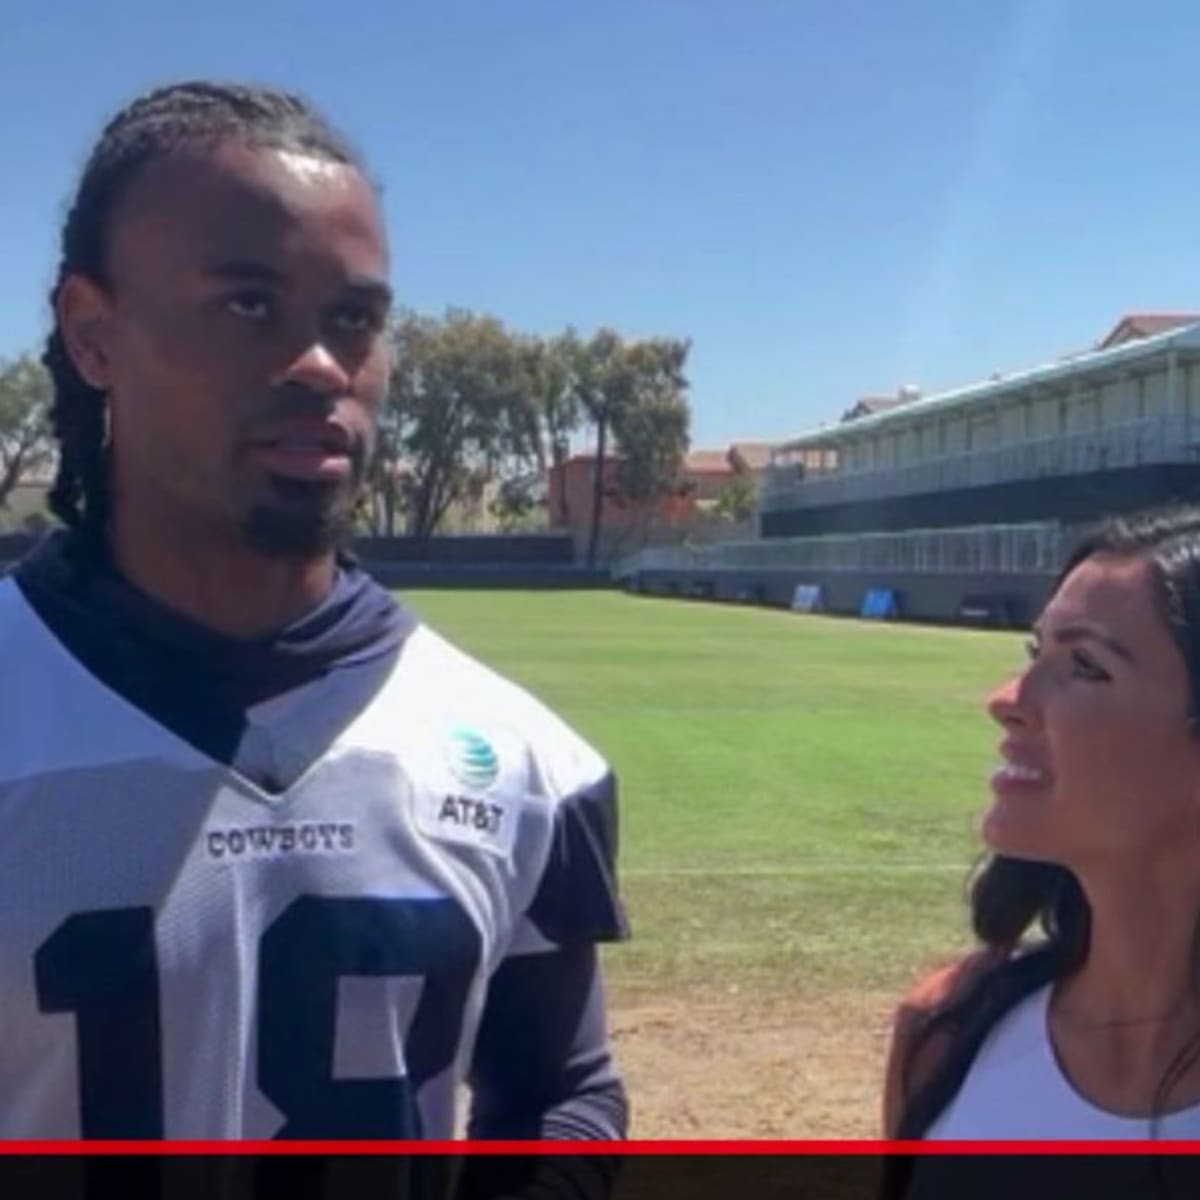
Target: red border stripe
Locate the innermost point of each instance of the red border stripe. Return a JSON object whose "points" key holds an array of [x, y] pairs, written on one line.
{"points": [[688, 1148]]}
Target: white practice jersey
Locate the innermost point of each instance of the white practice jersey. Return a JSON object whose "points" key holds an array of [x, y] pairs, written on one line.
{"points": [[185, 955]]}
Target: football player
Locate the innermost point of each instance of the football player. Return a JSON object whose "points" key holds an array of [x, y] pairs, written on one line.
{"points": [[276, 860]]}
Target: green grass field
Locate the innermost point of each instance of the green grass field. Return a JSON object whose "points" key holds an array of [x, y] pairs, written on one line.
{"points": [[798, 793]]}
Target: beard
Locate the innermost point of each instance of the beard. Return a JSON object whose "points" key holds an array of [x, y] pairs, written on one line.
{"points": [[301, 520]]}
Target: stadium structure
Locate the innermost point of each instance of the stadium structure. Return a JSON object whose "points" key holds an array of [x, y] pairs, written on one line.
{"points": [[962, 505]]}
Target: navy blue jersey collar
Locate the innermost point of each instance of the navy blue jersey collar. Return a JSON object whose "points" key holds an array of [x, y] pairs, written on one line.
{"points": [[198, 683]]}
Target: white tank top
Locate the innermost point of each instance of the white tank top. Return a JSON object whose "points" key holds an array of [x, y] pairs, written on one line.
{"points": [[1015, 1090]]}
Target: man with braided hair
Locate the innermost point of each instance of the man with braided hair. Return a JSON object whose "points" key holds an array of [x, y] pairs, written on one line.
{"points": [[275, 859]]}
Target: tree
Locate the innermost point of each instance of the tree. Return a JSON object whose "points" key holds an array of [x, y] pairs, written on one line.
{"points": [[549, 365], [635, 394], [383, 498], [456, 415], [517, 502], [601, 387], [738, 499], [652, 429], [25, 442]]}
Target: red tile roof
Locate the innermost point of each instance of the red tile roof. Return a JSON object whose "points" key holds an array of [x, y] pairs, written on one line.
{"points": [[868, 406], [1139, 325], [754, 456], [707, 462]]}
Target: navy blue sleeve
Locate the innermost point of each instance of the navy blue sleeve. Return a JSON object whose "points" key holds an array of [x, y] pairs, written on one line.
{"points": [[577, 901], [542, 1066], [543, 1070]]}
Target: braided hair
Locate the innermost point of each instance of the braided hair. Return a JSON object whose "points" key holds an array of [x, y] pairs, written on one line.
{"points": [[151, 127]]}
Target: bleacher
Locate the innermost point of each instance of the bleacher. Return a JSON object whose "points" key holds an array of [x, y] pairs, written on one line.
{"points": [[960, 506], [1001, 549], [995, 574]]}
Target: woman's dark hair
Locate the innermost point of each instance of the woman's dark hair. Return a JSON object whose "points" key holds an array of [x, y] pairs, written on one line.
{"points": [[1010, 898], [151, 127]]}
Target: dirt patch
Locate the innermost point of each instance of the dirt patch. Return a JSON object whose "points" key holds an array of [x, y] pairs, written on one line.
{"points": [[716, 1068]]}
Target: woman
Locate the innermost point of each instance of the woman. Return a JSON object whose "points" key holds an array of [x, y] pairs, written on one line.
{"points": [[1079, 1018]]}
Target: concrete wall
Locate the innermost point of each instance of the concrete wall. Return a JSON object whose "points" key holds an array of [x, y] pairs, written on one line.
{"points": [[490, 576], [923, 597], [516, 549], [533, 561], [534, 549]]}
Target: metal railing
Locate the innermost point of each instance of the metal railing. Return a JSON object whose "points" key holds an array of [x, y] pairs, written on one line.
{"points": [[1033, 548], [1165, 439]]}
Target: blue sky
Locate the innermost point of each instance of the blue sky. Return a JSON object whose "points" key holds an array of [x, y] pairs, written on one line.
{"points": [[829, 198]]}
